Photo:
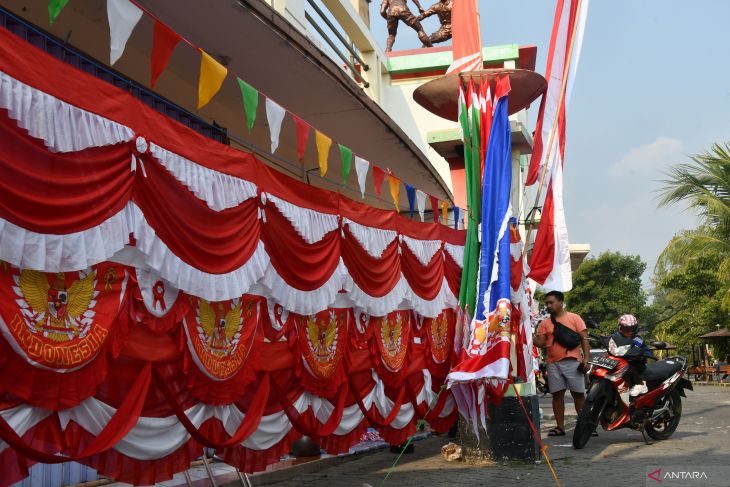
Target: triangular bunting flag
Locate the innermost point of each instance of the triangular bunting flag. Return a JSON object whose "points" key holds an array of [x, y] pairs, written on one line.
{"points": [[361, 166], [212, 74], [123, 15], [250, 97], [323, 150], [445, 212], [411, 193], [275, 115], [456, 217], [394, 189], [302, 136], [434, 208], [54, 8], [378, 177], [346, 154], [164, 41], [421, 202]]}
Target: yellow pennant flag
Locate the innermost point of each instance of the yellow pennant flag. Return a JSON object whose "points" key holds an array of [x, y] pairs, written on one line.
{"points": [[212, 74], [323, 150], [394, 190], [445, 212]]}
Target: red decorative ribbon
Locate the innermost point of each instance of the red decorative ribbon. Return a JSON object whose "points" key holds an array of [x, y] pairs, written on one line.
{"points": [[311, 429], [247, 427], [117, 428], [370, 417], [158, 295]]}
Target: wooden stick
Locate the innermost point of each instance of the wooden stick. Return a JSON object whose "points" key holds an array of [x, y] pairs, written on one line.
{"points": [[555, 124]]}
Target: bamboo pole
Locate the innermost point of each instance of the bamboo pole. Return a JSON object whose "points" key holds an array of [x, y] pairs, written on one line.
{"points": [[553, 129]]}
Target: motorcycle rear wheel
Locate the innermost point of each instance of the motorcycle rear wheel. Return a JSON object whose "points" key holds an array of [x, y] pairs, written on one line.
{"points": [[590, 415], [665, 427]]}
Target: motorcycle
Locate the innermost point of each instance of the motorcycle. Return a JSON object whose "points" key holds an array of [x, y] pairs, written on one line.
{"points": [[656, 413]]}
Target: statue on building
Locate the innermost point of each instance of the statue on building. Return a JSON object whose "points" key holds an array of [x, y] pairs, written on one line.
{"points": [[442, 9], [397, 10]]}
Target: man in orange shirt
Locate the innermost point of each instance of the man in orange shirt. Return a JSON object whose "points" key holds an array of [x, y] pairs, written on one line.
{"points": [[565, 368]]}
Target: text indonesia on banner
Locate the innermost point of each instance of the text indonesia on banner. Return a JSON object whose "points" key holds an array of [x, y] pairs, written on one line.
{"points": [[550, 259]]}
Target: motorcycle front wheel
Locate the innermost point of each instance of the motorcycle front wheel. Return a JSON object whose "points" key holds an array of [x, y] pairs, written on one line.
{"points": [[666, 425], [590, 415]]}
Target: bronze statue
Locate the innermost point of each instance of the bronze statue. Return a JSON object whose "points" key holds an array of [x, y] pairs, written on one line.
{"points": [[442, 9], [397, 10]]}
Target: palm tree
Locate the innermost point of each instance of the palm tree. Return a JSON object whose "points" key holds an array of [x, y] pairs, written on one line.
{"points": [[704, 186]]}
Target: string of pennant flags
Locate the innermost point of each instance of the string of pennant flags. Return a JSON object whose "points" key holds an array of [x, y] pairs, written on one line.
{"points": [[123, 16]]}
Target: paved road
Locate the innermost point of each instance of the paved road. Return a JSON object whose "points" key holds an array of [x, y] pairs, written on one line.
{"points": [[615, 458]]}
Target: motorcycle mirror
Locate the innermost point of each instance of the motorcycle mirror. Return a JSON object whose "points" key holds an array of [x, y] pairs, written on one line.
{"points": [[590, 323], [659, 345]]}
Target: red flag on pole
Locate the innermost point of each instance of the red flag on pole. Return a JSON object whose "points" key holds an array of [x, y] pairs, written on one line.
{"points": [[466, 40]]}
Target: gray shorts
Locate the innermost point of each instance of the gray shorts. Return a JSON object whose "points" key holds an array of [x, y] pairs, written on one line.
{"points": [[565, 375]]}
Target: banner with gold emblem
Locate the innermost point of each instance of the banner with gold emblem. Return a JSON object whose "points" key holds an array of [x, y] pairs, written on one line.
{"points": [[57, 324]]}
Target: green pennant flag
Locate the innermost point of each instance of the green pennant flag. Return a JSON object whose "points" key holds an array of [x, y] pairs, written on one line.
{"points": [[250, 102], [54, 8], [468, 288], [346, 161]]}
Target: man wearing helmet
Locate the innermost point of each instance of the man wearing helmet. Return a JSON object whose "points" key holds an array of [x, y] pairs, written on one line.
{"points": [[628, 327]]}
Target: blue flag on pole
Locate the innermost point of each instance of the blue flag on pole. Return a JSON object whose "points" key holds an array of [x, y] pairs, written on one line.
{"points": [[494, 262]]}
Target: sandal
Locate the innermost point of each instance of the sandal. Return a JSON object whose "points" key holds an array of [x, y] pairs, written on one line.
{"points": [[556, 432]]}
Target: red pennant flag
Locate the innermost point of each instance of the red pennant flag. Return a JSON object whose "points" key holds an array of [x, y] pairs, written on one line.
{"points": [[378, 178], [434, 208], [164, 41], [302, 136]]}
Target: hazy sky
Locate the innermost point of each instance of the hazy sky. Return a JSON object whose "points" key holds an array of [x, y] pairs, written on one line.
{"points": [[653, 86]]}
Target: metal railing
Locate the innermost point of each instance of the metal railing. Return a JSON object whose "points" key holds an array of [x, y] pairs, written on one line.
{"points": [[354, 54]]}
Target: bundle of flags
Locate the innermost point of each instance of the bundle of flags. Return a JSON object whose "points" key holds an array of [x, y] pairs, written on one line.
{"points": [[494, 332], [491, 325]]}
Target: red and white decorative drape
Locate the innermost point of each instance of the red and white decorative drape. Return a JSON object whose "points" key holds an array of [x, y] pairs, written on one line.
{"points": [[160, 291]]}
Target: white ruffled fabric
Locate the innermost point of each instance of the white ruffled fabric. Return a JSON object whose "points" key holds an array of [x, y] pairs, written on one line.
{"points": [[303, 302], [456, 252], [373, 240], [146, 279], [62, 127], [311, 225], [433, 308], [64, 253], [218, 190], [212, 287], [424, 250], [377, 306], [22, 418]]}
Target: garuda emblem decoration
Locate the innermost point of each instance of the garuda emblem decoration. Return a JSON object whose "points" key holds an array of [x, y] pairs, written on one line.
{"points": [[60, 310], [322, 339], [439, 335], [393, 340], [219, 329]]}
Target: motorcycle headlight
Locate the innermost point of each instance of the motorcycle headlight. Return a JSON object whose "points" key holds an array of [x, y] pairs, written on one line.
{"points": [[618, 351]]}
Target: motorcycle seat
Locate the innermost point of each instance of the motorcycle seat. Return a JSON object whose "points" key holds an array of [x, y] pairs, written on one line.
{"points": [[661, 370]]}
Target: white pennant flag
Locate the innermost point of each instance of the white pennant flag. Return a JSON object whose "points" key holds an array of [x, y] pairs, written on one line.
{"points": [[275, 115], [361, 166], [421, 202], [123, 17]]}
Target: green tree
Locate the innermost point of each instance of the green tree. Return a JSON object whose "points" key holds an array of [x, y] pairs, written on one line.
{"points": [[704, 186], [606, 287]]}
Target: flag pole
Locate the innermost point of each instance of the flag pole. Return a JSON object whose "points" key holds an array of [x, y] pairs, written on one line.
{"points": [[553, 130]]}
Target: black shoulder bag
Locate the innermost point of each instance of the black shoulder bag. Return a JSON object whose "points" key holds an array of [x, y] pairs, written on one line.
{"points": [[564, 336]]}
